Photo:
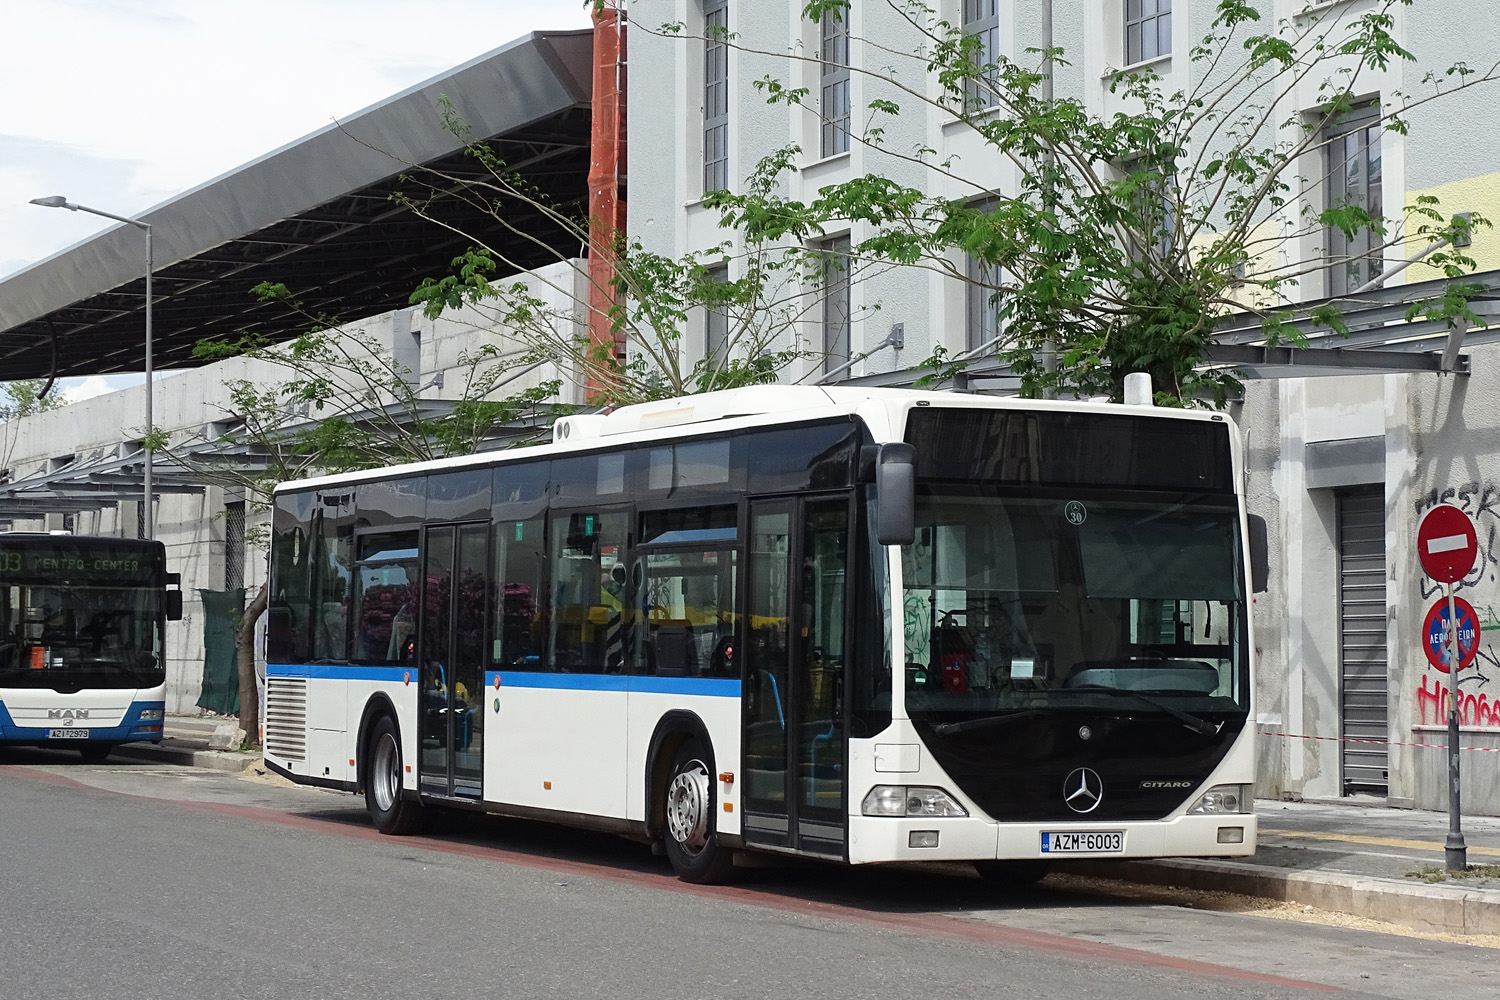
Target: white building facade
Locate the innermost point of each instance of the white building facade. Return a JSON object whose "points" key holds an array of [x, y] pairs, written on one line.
{"points": [[1342, 466]]}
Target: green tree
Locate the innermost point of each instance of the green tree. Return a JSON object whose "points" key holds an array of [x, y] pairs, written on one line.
{"points": [[762, 290], [23, 398], [1126, 235]]}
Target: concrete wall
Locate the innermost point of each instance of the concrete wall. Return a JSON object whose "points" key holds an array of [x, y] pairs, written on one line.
{"points": [[1440, 438]]}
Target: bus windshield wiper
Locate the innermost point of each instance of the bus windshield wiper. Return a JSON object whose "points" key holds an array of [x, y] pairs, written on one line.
{"points": [[1193, 722], [983, 722]]}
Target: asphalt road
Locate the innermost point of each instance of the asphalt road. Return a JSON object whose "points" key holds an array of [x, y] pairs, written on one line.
{"points": [[136, 880]]}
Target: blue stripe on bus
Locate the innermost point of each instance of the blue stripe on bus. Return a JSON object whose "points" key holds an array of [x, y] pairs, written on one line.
{"points": [[713, 687], [340, 672]]}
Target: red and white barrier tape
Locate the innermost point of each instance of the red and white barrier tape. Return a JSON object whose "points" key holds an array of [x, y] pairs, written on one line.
{"points": [[1380, 743]]}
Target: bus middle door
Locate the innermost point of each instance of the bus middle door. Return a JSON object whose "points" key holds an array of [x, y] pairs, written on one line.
{"points": [[455, 595]]}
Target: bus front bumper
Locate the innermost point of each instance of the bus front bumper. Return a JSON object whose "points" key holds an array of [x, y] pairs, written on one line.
{"points": [[142, 722], [881, 838]]}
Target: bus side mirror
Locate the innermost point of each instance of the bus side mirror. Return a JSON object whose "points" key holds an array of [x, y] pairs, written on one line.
{"points": [[896, 485], [174, 605], [1260, 554]]}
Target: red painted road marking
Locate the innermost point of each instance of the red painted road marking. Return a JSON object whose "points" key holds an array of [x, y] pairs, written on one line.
{"points": [[950, 928]]}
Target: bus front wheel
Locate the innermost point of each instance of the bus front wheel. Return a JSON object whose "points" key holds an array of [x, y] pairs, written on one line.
{"points": [[391, 812], [1011, 874], [692, 844]]}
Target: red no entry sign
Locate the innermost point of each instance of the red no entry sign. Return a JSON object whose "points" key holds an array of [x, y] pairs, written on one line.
{"points": [[1435, 634], [1447, 543]]}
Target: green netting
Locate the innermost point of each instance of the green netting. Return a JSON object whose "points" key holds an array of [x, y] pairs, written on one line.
{"points": [[221, 684]]}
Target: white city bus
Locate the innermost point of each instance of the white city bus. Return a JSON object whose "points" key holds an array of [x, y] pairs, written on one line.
{"points": [[82, 622], [857, 625]]}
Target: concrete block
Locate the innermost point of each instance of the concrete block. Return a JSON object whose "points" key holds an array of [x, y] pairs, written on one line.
{"points": [[1426, 907], [226, 736]]}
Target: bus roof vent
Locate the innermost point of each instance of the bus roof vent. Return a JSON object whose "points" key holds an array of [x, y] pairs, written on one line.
{"points": [[578, 427], [1138, 389]]}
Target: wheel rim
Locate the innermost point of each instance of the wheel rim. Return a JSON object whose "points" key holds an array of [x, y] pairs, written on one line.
{"points": [[385, 772], [687, 806]]}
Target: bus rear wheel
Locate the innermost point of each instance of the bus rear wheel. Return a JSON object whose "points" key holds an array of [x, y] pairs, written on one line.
{"points": [[691, 840], [390, 811]]}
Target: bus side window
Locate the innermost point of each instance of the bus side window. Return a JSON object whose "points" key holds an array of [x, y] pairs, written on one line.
{"points": [[587, 626], [520, 576], [689, 604]]}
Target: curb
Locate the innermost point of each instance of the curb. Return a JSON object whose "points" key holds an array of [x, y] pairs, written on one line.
{"points": [[217, 760], [1433, 908]]}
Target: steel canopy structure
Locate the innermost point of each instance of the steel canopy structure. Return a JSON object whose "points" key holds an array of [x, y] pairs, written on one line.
{"points": [[1380, 340], [317, 216]]}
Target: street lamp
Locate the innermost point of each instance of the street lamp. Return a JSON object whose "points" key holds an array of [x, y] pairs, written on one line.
{"points": [[58, 201]]}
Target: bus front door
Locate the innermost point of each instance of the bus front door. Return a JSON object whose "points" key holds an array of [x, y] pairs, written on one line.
{"points": [[793, 767], [455, 596]]}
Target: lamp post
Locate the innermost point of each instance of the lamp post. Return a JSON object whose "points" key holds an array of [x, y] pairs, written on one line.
{"points": [[58, 201]]}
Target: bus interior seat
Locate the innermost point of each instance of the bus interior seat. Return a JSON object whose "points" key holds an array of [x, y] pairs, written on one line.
{"points": [[676, 651]]}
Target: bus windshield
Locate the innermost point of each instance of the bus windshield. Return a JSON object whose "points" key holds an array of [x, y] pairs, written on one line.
{"points": [[73, 618], [1085, 600]]}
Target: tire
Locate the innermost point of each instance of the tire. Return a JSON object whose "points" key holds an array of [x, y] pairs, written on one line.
{"points": [[391, 812], [94, 753], [1012, 874], [689, 829]]}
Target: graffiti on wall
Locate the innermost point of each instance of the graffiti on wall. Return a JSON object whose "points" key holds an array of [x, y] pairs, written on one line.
{"points": [[1478, 703]]}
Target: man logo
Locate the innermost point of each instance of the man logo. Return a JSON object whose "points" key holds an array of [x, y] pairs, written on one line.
{"points": [[1083, 790], [67, 713]]}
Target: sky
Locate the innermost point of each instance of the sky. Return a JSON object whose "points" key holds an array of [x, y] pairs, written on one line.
{"points": [[122, 104]]}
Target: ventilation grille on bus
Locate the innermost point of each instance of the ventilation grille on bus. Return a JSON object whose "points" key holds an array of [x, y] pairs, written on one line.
{"points": [[286, 717]]}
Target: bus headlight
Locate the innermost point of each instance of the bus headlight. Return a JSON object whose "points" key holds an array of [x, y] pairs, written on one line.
{"points": [[1222, 799], [910, 800], [151, 714]]}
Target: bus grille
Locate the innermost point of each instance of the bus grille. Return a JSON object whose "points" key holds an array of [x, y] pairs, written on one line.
{"points": [[286, 717]]}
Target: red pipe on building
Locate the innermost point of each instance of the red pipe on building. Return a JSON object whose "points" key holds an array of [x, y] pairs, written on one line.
{"points": [[606, 209]]}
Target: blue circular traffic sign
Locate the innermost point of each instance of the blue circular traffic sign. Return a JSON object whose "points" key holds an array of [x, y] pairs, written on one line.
{"points": [[1435, 634]]}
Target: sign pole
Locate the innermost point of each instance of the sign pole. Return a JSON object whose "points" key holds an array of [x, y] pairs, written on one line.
{"points": [[1447, 547], [1455, 851]]}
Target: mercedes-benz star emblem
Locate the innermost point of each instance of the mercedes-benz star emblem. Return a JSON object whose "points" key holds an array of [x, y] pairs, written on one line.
{"points": [[1085, 733], [1083, 790]]}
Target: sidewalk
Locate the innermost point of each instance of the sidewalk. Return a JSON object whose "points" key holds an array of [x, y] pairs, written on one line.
{"points": [[207, 741], [1354, 856]]}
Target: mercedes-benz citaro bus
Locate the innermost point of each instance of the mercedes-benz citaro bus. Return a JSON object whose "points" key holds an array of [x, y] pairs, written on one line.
{"points": [[82, 623], [859, 625]]}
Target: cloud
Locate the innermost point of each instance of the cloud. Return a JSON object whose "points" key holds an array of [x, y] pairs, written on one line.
{"points": [[87, 388], [144, 99]]}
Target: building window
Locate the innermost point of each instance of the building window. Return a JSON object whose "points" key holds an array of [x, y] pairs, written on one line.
{"points": [[234, 545], [716, 322], [1354, 180], [982, 314], [982, 20], [715, 95], [836, 303], [1148, 30], [834, 104]]}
